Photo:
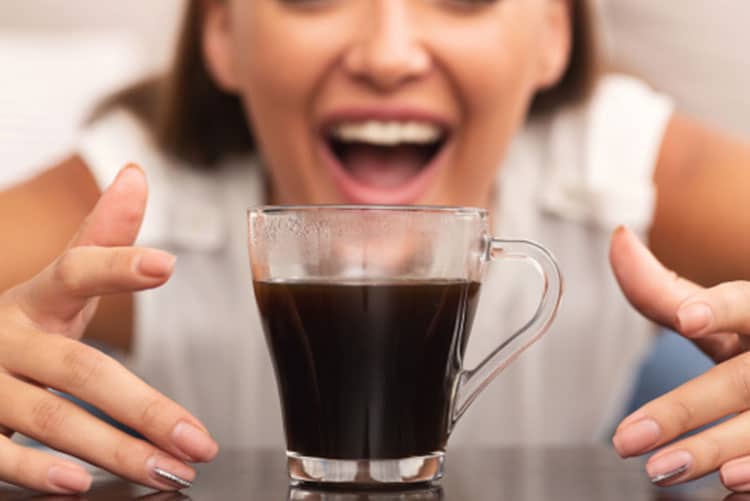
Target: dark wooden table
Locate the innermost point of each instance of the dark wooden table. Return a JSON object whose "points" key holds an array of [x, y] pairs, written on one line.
{"points": [[471, 475]]}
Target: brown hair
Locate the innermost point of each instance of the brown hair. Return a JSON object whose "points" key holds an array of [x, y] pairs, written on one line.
{"points": [[193, 120]]}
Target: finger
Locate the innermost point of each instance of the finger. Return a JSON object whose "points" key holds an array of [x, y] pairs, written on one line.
{"points": [[725, 307], [98, 379], [117, 216], [36, 470], [703, 453], [658, 292], [723, 390], [735, 474], [651, 288], [114, 221], [65, 287], [85, 272], [64, 426]]}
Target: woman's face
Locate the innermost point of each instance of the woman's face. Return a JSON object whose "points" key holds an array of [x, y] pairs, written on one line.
{"points": [[385, 101]]}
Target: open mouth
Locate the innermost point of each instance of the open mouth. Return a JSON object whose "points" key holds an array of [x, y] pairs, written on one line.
{"points": [[379, 161]]}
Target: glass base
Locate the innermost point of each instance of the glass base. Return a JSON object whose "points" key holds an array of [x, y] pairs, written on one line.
{"points": [[365, 473]]}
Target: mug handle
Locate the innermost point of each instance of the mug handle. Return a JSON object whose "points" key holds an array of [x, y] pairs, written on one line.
{"points": [[471, 382]]}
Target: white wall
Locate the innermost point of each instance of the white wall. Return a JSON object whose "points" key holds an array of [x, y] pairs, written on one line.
{"points": [[696, 50], [59, 57], [151, 22]]}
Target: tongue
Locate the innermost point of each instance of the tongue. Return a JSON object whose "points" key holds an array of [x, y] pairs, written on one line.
{"points": [[381, 166]]}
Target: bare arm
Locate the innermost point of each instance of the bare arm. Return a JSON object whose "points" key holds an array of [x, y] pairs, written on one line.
{"points": [[40, 217], [701, 228]]}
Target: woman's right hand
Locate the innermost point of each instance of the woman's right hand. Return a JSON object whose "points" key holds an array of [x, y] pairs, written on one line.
{"points": [[41, 322]]}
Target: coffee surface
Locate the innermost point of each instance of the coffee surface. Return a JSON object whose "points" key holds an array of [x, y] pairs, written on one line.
{"points": [[365, 370]]}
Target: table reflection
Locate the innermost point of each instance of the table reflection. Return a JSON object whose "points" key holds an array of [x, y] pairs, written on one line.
{"points": [[508, 474], [432, 493]]}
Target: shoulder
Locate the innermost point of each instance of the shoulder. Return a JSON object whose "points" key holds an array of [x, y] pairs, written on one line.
{"points": [[180, 194], [622, 112], [113, 139], [598, 157], [622, 91], [118, 137], [626, 112]]}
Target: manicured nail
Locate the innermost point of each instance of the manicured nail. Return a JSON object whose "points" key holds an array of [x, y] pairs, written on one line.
{"points": [[69, 479], [694, 319], [169, 471], [156, 264], [668, 466], [636, 416], [171, 477], [736, 476], [127, 171], [194, 443], [637, 438]]}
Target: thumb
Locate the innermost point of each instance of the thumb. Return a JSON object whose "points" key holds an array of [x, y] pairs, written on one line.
{"points": [[117, 216], [99, 258]]}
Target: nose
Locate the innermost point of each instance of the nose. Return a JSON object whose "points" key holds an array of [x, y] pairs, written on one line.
{"points": [[386, 53]]}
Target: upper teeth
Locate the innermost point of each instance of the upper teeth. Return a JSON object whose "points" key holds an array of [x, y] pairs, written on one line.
{"points": [[387, 133]]}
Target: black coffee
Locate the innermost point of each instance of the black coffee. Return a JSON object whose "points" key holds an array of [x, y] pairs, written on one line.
{"points": [[366, 370]]}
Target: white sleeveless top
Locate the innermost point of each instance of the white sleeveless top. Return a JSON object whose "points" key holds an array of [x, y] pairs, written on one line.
{"points": [[567, 181]]}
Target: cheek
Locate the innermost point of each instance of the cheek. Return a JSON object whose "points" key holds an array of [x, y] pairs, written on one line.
{"points": [[492, 63], [492, 66], [282, 59], [267, 86]]}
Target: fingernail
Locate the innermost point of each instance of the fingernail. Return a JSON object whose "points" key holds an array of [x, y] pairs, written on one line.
{"points": [[668, 466], [693, 319], [165, 470], [127, 171], [156, 264], [736, 476], [68, 479], [620, 230], [194, 443], [637, 438], [636, 416]]}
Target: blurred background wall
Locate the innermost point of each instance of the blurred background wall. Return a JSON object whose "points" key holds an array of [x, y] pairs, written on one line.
{"points": [[150, 23], [697, 51], [58, 57]]}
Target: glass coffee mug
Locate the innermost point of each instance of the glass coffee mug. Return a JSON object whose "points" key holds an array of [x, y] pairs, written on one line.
{"points": [[367, 311]]}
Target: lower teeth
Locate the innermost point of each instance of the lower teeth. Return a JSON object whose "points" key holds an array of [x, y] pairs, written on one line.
{"points": [[384, 166]]}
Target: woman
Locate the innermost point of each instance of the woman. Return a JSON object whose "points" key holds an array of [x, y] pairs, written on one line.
{"points": [[460, 102]]}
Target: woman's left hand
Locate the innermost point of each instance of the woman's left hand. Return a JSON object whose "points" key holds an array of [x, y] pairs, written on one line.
{"points": [[717, 320]]}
